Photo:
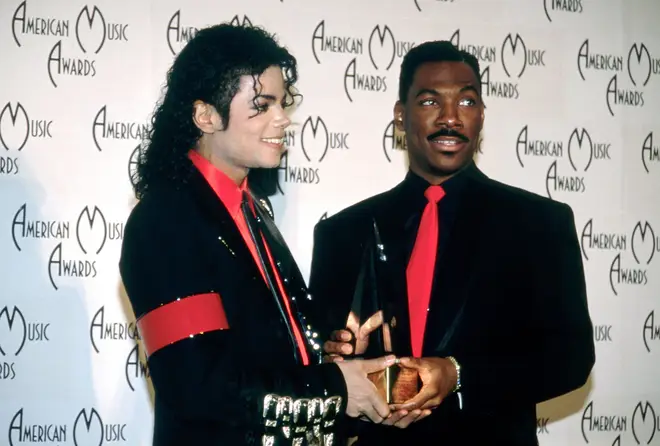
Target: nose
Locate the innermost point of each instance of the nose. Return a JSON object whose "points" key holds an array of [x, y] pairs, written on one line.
{"points": [[282, 120], [448, 116]]}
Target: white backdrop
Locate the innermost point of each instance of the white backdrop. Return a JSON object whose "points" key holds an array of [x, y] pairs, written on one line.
{"points": [[572, 89]]}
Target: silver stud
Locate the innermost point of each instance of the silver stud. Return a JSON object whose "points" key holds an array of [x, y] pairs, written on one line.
{"points": [[227, 246]]}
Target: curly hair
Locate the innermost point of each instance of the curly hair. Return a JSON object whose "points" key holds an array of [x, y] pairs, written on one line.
{"points": [[433, 51], [208, 69]]}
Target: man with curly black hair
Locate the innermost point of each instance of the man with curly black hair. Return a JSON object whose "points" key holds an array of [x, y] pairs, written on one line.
{"points": [[211, 281]]}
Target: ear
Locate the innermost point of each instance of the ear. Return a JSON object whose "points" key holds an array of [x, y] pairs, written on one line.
{"points": [[399, 116], [205, 117]]}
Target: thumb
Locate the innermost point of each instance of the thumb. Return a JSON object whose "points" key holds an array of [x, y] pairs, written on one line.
{"points": [[411, 363], [417, 401], [372, 323], [377, 364]]}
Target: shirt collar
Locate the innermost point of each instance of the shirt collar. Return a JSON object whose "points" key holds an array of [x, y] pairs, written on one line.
{"points": [[415, 186], [224, 187]]}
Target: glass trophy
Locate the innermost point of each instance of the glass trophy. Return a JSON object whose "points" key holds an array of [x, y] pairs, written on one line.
{"points": [[373, 323]]}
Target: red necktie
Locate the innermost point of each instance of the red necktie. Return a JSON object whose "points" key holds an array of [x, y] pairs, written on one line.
{"points": [[421, 268]]}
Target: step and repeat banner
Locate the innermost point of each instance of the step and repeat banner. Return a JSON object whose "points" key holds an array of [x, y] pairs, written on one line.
{"points": [[572, 92]]}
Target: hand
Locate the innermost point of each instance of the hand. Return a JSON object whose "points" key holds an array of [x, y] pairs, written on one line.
{"points": [[339, 343], [363, 398], [438, 377], [403, 418]]}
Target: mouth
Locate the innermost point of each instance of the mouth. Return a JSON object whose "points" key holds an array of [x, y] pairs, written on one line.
{"points": [[448, 143], [277, 142]]}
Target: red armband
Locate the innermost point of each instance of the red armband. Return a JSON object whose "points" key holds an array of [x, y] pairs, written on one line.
{"points": [[181, 319]]}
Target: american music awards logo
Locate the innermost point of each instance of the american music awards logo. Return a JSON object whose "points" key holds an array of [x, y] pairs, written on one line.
{"points": [[317, 140], [644, 243], [90, 232], [369, 57], [633, 252], [581, 151], [513, 56], [90, 29], [108, 130], [16, 332], [632, 72], [599, 426], [87, 428], [18, 130], [570, 160]]}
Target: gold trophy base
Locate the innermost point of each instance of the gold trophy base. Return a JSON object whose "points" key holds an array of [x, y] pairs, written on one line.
{"points": [[396, 384]]}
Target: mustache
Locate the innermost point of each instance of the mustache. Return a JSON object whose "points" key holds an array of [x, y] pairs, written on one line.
{"points": [[448, 132]]}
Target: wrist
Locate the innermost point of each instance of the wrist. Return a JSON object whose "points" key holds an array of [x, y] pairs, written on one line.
{"points": [[455, 374]]}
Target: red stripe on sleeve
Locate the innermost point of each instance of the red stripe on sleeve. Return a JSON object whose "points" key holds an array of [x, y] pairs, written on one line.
{"points": [[183, 318]]}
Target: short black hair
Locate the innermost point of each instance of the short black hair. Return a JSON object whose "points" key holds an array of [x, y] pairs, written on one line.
{"points": [[433, 51], [209, 69]]}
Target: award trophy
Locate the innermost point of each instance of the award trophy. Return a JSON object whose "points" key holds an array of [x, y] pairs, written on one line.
{"points": [[373, 324]]}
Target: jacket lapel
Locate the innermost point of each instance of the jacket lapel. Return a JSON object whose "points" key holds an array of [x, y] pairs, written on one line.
{"points": [[292, 279], [229, 237], [396, 307], [396, 242], [231, 240], [454, 270]]}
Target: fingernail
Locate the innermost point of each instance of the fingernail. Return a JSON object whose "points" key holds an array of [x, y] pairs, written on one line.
{"points": [[346, 336], [346, 349], [390, 359]]}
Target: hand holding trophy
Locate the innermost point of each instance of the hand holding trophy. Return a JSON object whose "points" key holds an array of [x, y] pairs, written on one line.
{"points": [[373, 326]]}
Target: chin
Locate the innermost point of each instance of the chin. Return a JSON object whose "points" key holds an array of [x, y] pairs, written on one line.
{"points": [[448, 168], [270, 163]]}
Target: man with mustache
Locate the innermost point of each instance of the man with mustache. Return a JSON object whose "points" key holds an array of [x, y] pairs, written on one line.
{"points": [[487, 285]]}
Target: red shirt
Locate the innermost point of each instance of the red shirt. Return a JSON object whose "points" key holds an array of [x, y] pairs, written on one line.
{"points": [[231, 195]]}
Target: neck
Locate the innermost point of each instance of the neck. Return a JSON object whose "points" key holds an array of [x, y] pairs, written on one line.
{"points": [[435, 178], [237, 174], [432, 178]]}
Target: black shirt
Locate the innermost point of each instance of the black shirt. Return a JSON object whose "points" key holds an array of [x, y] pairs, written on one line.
{"points": [[414, 187]]}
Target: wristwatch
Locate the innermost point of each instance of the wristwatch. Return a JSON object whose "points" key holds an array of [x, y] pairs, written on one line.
{"points": [[458, 373]]}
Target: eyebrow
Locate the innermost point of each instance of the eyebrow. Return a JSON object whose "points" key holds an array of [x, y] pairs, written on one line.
{"points": [[436, 93], [268, 97]]}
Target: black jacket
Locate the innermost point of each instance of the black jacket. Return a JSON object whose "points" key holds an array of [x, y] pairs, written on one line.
{"points": [[509, 302], [212, 389]]}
